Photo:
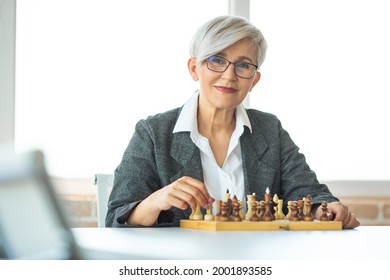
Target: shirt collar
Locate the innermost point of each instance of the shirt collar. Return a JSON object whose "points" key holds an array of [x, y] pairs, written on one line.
{"points": [[187, 120]]}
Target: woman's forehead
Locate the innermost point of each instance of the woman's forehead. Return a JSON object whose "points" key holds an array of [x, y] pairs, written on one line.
{"points": [[243, 49]]}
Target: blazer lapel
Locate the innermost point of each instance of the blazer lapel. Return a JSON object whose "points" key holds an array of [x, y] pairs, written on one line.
{"points": [[187, 154], [257, 175]]}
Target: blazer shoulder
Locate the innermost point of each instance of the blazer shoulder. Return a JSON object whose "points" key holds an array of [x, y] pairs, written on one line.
{"points": [[262, 119], [168, 116], [161, 123]]}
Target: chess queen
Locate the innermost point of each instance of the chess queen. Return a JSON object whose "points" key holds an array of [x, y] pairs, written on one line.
{"points": [[190, 155]]}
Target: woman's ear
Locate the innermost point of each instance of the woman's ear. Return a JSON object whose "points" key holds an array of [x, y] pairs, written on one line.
{"points": [[255, 81], [192, 68]]}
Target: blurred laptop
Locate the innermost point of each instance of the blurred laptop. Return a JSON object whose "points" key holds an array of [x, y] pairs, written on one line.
{"points": [[32, 221]]}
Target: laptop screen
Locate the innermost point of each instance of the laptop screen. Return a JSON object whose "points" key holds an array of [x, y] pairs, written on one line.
{"points": [[31, 222]]}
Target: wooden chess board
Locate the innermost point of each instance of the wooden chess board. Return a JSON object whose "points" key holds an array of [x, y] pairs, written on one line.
{"points": [[260, 226]]}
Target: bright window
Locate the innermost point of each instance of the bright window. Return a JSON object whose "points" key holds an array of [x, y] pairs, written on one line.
{"points": [[326, 76], [88, 70]]}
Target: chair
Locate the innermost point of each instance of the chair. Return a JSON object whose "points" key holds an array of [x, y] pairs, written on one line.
{"points": [[104, 183]]}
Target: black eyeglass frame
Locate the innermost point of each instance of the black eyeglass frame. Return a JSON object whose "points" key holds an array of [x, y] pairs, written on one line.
{"points": [[234, 65]]}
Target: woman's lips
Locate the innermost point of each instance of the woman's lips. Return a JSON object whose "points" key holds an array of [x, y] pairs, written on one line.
{"points": [[225, 89]]}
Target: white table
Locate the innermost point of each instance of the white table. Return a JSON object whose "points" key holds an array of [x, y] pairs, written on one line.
{"points": [[362, 243]]}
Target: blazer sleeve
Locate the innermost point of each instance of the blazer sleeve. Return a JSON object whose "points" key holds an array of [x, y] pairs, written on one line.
{"points": [[297, 179], [135, 178]]}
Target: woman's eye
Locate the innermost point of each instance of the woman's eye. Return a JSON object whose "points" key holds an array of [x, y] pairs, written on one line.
{"points": [[242, 65], [217, 60]]}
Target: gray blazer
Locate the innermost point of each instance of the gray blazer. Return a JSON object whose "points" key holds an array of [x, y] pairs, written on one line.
{"points": [[156, 157]]}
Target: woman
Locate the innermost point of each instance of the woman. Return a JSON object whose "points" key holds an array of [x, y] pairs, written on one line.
{"points": [[195, 154]]}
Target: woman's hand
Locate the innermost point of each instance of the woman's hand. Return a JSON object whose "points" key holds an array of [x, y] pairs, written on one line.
{"points": [[339, 212], [182, 193]]}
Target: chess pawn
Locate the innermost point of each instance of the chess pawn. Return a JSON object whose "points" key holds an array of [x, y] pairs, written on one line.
{"points": [[324, 207], [308, 215], [294, 212], [209, 214], [198, 214]]}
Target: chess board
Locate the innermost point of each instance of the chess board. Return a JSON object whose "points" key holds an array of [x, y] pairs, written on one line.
{"points": [[260, 226]]}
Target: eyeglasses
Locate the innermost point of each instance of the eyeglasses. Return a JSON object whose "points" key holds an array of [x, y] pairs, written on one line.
{"points": [[219, 64]]}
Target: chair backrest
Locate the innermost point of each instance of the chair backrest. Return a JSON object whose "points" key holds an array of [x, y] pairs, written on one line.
{"points": [[104, 183]]}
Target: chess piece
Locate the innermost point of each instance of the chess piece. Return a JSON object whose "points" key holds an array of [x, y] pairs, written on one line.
{"points": [[280, 210], [261, 210], [300, 209], [275, 199], [209, 214], [218, 214], [241, 210], [192, 214], [198, 214], [254, 217], [250, 199], [324, 216], [268, 216], [224, 212], [294, 212], [229, 203], [236, 211], [308, 215], [234, 200], [289, 209]]}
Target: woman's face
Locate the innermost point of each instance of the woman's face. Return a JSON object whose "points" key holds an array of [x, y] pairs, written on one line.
{"points": [[225, 90]]}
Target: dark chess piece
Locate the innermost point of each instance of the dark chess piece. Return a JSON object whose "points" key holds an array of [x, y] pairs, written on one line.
{"points": [[324, 207], [236, 211], [261, 209], [268, 216], [300, 209], [254, 217], [224, 212], [294, 212]]}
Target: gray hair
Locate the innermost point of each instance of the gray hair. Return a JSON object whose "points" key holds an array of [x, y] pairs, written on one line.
{"points": [[222, 32]]}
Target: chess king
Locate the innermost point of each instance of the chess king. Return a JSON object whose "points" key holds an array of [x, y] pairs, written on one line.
{"points": [[190, 155]]}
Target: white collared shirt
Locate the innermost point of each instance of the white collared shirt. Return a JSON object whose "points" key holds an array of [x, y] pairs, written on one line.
{"points": [[217, 180]]}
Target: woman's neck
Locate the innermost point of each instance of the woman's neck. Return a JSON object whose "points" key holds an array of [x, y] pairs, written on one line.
{"points": [[216, 122]]}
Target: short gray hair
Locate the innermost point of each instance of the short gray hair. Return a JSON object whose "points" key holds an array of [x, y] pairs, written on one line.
{"points": [[222, 32]]}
